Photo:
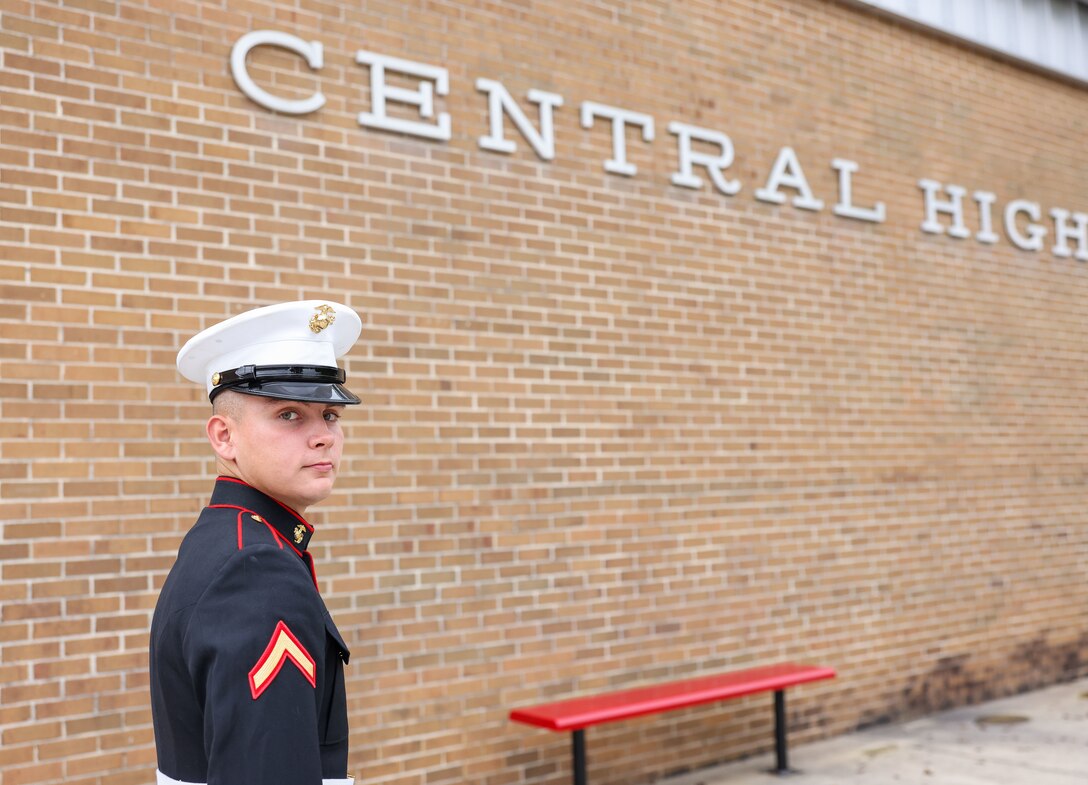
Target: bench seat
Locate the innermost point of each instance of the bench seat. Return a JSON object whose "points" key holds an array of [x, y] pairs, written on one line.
{"points": [[577, 714]]}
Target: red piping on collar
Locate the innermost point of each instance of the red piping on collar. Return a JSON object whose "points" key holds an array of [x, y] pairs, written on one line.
{"points": [[306, 556], [294, 514], [279, 538]]}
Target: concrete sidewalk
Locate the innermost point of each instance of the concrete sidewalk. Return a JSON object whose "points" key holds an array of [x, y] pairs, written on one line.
{"points": [[1039, 738]]}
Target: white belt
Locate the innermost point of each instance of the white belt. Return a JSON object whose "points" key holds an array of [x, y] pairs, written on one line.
{"points": [[162, 779]]}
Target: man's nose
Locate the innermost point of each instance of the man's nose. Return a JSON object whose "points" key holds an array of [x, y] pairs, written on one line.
{"points": [[321, 435]]}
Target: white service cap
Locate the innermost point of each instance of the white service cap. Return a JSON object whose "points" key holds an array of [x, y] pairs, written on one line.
{"points": [[286, 351]]}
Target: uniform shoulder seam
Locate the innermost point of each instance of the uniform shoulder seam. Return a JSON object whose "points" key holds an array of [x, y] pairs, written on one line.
{"points": [[249, 521]]}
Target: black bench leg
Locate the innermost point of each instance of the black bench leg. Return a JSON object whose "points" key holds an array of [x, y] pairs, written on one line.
{"points": [[782, 764], [578, 750]]}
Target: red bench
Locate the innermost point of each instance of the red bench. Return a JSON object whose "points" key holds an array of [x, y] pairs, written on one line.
{"points": [[577, 714]]}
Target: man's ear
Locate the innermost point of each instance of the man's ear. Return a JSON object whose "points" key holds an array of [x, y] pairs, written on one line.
{"points": [[220, 430]]}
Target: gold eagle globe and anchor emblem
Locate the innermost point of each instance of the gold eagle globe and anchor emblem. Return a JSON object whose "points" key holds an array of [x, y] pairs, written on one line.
{"points": [[323, 318], [300, 533]]}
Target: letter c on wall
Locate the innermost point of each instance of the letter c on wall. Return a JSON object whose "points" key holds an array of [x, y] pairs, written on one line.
{"points": [[311, 50]]}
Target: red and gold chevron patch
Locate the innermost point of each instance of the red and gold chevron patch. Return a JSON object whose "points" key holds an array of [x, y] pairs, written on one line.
{"points": [[282, 647]]}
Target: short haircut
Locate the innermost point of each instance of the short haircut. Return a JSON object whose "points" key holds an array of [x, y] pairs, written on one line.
{"points": [[228, 404]]}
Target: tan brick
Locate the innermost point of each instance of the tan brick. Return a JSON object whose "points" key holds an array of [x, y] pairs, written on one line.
{"points": [[613, 430], [70, 748]]}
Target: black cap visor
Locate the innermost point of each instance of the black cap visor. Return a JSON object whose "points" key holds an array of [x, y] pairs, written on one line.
{"points": [[307, 383]]}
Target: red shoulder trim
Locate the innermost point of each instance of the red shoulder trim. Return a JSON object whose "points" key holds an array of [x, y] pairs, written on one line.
{"points": [[242, 512]]}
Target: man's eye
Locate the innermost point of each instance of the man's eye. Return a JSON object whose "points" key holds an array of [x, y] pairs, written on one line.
{"points": [[289, 416], [332, 416]]}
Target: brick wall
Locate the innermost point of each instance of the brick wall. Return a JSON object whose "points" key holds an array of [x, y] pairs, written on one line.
{"points": [[614, 430]]}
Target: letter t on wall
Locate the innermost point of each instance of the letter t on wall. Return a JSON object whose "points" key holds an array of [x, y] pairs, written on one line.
{"points": [[618, 163]]}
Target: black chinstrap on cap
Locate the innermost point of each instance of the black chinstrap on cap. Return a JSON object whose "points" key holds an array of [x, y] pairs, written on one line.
{"points": [[309, 383]]}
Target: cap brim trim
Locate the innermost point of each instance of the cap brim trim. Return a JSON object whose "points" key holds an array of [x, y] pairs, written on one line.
{"points": [[307, 392]]}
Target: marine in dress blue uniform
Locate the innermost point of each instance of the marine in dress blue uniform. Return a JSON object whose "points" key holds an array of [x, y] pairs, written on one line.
{"points": [[246, 664]]}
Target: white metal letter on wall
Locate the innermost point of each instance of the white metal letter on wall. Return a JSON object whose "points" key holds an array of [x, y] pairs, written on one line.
{"points": [[1063, 232], [432, 80], [311, 50], [618, 163], [714, 163], [846, 207], [499, 101], [1033, 241], [787, 172], [952, 206], [985, 233]]}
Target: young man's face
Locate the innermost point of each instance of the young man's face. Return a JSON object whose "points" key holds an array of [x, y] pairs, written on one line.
{"points": [[290, 450]]}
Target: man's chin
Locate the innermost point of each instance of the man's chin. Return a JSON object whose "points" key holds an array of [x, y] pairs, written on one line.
{"points": [[317, 491]]}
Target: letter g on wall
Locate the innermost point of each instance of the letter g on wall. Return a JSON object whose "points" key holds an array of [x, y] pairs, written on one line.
{"points": [[311, 50]]}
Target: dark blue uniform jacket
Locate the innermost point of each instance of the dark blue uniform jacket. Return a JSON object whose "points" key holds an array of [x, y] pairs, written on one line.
{"points": [[247, 667]]}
